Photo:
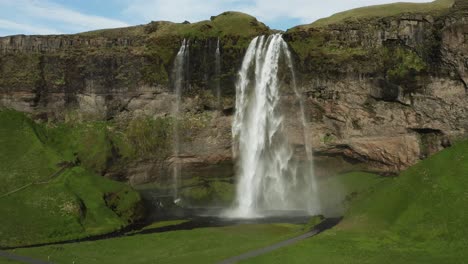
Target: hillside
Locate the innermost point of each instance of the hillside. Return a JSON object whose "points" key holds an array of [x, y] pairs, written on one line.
{"points": [[434, 8], [417, 217], [44, 198]]}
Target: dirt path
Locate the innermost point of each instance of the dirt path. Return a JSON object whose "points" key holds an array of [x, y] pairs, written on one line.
{"points": [[326, 224]]}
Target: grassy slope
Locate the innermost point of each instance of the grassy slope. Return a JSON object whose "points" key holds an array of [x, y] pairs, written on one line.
{"points": [[419, 217], [23, 157], [385, 11], [227, 23], [8, 261], [343, 189], [88, 142], [204, 245], [70, 205]]}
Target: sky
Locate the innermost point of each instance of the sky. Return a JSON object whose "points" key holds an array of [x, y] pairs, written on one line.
{"points": [[73, 16]]}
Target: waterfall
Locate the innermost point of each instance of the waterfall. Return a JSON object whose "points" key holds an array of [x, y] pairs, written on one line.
{"points": [[269, 177], [314, 205], [179, 75], [218, 75]]}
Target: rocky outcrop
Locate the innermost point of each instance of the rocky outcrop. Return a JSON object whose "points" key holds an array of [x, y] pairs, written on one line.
{"points": [[367, 106], [380, 94]]}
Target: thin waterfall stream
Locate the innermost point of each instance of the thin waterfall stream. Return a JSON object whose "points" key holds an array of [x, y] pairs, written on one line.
{"points": [[180, 72]]}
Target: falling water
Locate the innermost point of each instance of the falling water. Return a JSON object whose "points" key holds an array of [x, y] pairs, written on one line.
{"points": [[218, 74], [314, 205], [179, 76], [270, 180]]}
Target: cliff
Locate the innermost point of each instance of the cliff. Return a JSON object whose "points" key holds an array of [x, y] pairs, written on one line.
{"points": [[381, 93], [387, 91]]}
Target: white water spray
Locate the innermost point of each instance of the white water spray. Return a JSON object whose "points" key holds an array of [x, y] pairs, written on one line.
{"points": [[179, 73], [269, 179]]}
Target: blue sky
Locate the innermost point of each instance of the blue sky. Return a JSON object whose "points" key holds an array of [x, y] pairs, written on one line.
{"points": [[72, 16]]}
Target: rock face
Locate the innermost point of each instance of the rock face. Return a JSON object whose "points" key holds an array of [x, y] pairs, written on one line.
{"points": [[380, 94]]}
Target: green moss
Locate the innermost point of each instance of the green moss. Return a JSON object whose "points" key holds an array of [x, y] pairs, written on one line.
{"points": [[19, 70], [328, 138], [191, 124], [60, 81], [203, 192], [145, 137], [99, 145], [403, 67], [318, 53], [154, 73]]}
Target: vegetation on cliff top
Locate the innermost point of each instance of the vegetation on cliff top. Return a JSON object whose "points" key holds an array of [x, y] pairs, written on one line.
{"points": [[46, 198], [344, 43], [226, 24], [383, 11]]}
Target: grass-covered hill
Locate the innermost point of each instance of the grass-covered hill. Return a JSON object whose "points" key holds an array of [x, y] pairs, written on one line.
{"points": [[45, 197], [386, 10], [418, 217]]}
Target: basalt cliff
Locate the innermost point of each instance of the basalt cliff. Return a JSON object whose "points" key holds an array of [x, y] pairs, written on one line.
{"points": [[380, 93]]}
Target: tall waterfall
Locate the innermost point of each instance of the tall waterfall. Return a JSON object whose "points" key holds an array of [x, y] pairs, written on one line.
{"points": [[270, 178], [179, 74], [218, 74]]}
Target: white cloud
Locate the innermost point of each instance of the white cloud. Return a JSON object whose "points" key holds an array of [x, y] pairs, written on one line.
{"points": [[17, 27], [51, 11], [265, 10], [305, 10], [46, 17], [176, 10]]}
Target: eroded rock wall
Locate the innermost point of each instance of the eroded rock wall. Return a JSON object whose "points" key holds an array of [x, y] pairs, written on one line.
{"points": [[379, 94]]}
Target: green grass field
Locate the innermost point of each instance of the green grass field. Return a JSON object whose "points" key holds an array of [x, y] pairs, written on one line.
{"points": [[418, 217], [203, 245], [42, 200]]}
